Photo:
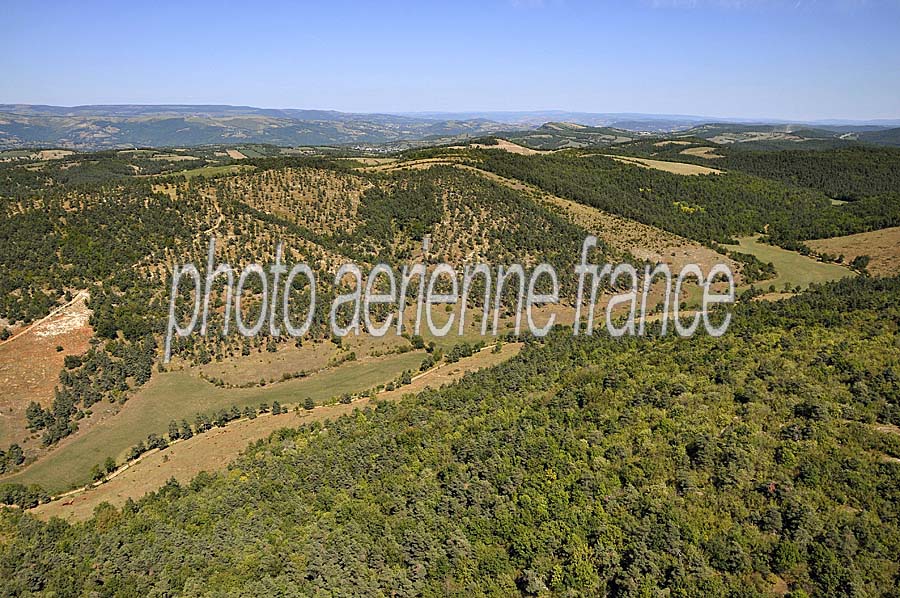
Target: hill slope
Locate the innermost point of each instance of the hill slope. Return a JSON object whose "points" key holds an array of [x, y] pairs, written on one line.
{"points": [[584, 466], [98, 127]]}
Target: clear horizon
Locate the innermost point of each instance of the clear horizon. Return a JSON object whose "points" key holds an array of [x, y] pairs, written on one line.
{"points": [[731, 59]]}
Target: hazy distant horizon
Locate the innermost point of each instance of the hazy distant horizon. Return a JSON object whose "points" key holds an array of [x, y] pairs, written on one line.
{"points": [[797, 61], [511, 116]]}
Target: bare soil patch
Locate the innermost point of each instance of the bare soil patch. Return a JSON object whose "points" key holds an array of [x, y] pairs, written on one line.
{"points": [[30, 366]]}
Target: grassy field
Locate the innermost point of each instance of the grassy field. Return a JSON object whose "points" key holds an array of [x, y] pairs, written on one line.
{"points": [[289, 359], [213, 450], [682, 168], [183, 394], [792, 268], [882, 246]]}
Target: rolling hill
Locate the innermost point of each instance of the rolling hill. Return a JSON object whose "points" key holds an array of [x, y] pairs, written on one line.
{"points": [[128, 126], [100, 127]]}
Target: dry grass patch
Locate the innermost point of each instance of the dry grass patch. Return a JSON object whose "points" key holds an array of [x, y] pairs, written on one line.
{"points": [[682, 168], [55, 154], [882, 246], [505, 145], [213, 450], [702, 152], [413, 164], [643, 241], [371, 161], [447, 373], [173, 157], [177, 395], [313, 356]]}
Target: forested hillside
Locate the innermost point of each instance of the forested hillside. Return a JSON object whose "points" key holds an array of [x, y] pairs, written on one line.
{"points": [[847, 173], [714, 208], [761, 460], [90, 223], [109, 225]]}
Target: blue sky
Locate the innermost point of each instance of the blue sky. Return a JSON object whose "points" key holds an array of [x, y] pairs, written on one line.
{"points": [[801, 59]]}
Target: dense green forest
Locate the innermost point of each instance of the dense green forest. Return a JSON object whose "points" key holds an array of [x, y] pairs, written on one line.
{"points": [[846, 173], [705, 208], [584, 466]]}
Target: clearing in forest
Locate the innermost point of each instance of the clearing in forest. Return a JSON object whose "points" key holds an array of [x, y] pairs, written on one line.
{"points": [[508, 146], [702, 152], [30, 364], [213, 450], [793, 269], [882, 246], [178, 395], [673, 167], [643, 241]]}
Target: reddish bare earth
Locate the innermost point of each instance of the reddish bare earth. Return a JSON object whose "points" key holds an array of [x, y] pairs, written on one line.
{"points": [[30, 366]]}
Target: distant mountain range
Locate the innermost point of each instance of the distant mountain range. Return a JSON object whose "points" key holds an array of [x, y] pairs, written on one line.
{"points": [[637, 121], [125, 126], [122, 126]]}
